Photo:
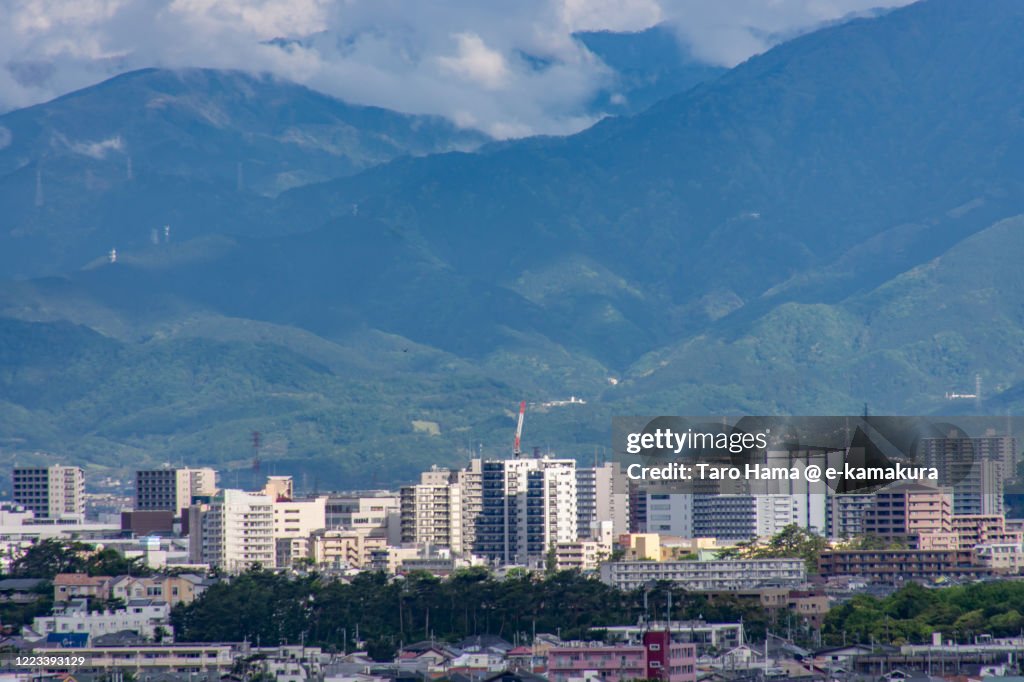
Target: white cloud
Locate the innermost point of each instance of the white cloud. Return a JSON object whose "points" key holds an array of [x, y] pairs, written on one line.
{"points": [[727, 33], [508, 68], [98, 149], [477, 62]]}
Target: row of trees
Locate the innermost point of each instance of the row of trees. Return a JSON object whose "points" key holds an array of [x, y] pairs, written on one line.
{"points": [[267, 607], [47, 558], [913, 613]]}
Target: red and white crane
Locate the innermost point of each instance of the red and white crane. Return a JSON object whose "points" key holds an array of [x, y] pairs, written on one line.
{"points": [[516, 449]]}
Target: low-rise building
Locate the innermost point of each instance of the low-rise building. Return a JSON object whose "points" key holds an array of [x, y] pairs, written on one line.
{"points": [[706, 576], [658, 656], [142, 661], [581, 555], [68, 586], [147, 618], [340, 548], [893, 566], [172, 589]]}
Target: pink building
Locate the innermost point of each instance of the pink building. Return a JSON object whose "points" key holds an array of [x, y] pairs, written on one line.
{"points": [[657, 658]]}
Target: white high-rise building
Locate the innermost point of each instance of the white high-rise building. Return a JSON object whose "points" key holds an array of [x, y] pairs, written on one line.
{"points": [[602, 494], [528, 506], [169, 489], [55, 492], [234, 531]]}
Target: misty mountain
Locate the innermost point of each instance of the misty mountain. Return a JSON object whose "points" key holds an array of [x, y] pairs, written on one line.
{"points": [[648, 66], [198, 150], [831, 223]]}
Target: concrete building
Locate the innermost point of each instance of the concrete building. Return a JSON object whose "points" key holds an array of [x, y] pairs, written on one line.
{"points": [[706, 576], [670, 514], [846, 515], [170, 589], [894, 566], [172, 490], [974, 468], [373, 510], [342, 549], [294, 522], [656, 547], [431, 511], [1002, 557], [602, 494], [279, 488], [147, 661], [746, 516], [658, 657], [147, 618], [585, 555], [909, 509], [56, 492], [528, 506], [233, 532], [974, 530], [70, 586]]}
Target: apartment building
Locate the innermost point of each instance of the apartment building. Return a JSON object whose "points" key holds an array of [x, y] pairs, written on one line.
{"points": [[172, 489], [147, 618], [909, 509], [233, 532], [148, 661], [707, 576], [582, 555], [895, 566], [658, 657], [670, 514], [294, 522], [366, 510], [54, 492], [432, 511], [341, 549], [602, 495], [528, 506], [846, 515], [746, 516], [974, 468], [973, 530]]}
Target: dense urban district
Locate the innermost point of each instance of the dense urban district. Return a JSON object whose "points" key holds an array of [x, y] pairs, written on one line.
{"points": [[525, 568]]}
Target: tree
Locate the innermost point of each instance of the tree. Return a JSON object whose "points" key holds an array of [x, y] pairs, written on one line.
{"points": [[46, 558]]}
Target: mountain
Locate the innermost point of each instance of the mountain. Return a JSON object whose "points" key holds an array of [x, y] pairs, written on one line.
{"points": [[831, 223], [648, 66], [198, 150]]}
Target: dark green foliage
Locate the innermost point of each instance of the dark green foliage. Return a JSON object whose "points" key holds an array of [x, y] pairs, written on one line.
{"points": [[268, 607], [914, 612], [47, 558]]}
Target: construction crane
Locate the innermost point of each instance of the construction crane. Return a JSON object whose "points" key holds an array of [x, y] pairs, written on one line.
{"points": [[516, 449]]}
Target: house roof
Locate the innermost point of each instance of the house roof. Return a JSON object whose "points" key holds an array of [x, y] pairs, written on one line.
{"points": [[485, 642], [120, 638], [515, 676], [80, 579], [19, 584]]}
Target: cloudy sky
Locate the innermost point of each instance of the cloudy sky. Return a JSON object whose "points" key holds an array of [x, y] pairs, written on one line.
{"points": [[470, 60]]}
